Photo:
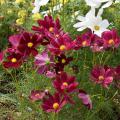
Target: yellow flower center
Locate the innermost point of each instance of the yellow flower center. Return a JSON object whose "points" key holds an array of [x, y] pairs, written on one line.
{"points": [[111, 41], [96, 27], [51, 29], [37, 95], [84, 43], [56, 35], [63, 61], [13, 60], [62, 47], [30, 44], [101, 77], [65, 84], [55, 106]]}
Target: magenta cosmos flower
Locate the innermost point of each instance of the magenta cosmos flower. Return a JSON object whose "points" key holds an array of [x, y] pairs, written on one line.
{"points": [[53, 103], [65, 83], [61, 61], [14, 60], [102, 75], [37, 95], [25, 43], [84, 40], [47, 25], [60, 45], [43, 62], [111, 39], [85, 99]]}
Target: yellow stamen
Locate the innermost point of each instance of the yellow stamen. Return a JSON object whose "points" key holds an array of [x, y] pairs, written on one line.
{"points": [[65, 84], [63, 61], [101, 77], [96, 27], [111, 41], [30, 44], [55, 106], [56, 35], [62, 47], [37, 95], [51, 29], [84, 43], [13, 60]]}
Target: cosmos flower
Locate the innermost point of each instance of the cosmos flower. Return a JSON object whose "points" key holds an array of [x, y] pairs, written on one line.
{"points": [[37, 95], [93, 22], [102, 75], [111, 39], [65, 83], [85, 99], [60, 45], [83, 40], [48, 28], [38, 4], [14, 60], [61, 61], [47, 25], [43, 62], [28, 43], [53, 103]]}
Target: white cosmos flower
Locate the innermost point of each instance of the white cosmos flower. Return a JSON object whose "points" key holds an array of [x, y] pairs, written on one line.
{"points": [[95, 23], [97, 3], [38, 4]]}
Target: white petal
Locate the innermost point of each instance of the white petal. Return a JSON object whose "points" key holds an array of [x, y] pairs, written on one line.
{"points": [[43, 2], [80, 18], [104, 24], [36, 9], [107, 4], [81, 28], [100, 12], [79, 24]]}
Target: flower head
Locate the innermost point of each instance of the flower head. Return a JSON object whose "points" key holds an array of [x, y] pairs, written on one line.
{"points": [[60, 45], [53, 103], [61, 61], [14, 60], [93, 22], [47, 25], [28, 43], [65, 83], [102, 75], [111, 39], [37, 95], [43, 62], [84, 40]]}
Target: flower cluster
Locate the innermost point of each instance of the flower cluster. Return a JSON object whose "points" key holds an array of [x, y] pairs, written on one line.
{"points": [[108, 40], [50, 62], [65, 86]]}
